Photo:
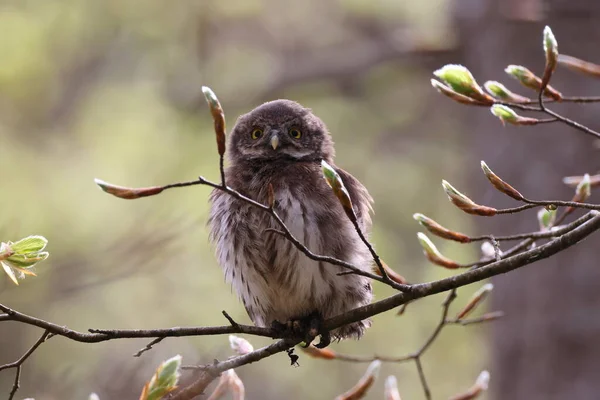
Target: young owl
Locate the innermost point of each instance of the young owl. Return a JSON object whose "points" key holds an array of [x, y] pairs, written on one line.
{"points": [[282, 143]]}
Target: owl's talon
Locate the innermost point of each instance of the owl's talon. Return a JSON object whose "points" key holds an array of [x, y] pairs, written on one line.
{"points": [[325, 340]]}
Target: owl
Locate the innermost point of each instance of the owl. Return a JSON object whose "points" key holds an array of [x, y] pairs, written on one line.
{"points": [[282, 144]]}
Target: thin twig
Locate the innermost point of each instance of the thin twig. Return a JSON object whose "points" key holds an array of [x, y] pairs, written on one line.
{"points": [[16, 384], [382, 271], [546, 234], [17, 364], [149, 346], [422, 378], [231, 321]]}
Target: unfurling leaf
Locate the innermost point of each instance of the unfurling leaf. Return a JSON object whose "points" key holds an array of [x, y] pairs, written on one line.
{"points": [[393, 275], [361, 388], [578, 65], [237, 386], [123, 192], [433, 254], [546, 218], [334, 180], [584, 189], [18, 259], [551, 49], [531, 81], [475, 300], [488, 251], [465, 203], [163, 381], [218, 117], [240, 345], [460, 79], [573, 181], [391, 388], [326, 353], [481, 385], [439, 230], [460, 98], [491, 316], [229, 381], [499, 184], [30, 244], [507, 114], [582, 192], [500, 91]]}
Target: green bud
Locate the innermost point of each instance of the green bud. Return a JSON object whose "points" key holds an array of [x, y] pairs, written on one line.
{"points": [[30, 244], [506, 114], [460, 79], [457, 76], [546, 218], [519, 72], [550, 46], [584, 188], [500, 91]]}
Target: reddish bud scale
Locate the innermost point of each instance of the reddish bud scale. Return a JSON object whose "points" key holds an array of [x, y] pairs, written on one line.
{"points": [[393, 275], [470, 394], [499, 184], [334, 180], [573, 181], [440, 231], [578, 65], [218, 117], [492, 316], [128, 193], [442, 261], [531, 81], [460, 98], [361, 388], [314, 352], [481, 384], [475, 209], [474, 301], [391, 389]]}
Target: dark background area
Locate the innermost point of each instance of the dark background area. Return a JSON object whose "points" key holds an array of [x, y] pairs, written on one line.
{"points": [[111, 89]]}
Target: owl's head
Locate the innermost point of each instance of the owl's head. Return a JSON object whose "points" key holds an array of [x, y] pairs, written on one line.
{"points": [[280, 130]]}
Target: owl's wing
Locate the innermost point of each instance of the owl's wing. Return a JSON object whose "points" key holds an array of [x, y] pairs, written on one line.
{"points": [[361, 199]]}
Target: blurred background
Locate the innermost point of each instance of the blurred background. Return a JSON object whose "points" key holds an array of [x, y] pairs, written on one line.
{"points": [[111, 89]]}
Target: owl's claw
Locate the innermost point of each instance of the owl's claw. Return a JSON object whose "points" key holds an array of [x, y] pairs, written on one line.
{"points": [[325, 340], [307, 328]]}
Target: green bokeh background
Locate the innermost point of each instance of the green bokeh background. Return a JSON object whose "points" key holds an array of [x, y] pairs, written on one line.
{"points": [[111, 89]]}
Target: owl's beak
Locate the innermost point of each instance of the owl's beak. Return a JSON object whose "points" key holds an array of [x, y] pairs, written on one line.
{"points": [[274, 142]]}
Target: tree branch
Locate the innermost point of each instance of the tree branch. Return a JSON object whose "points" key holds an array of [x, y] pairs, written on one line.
{"points": [[17, 364]]}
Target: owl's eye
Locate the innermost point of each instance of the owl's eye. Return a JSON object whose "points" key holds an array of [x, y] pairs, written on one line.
{"points": [[256, 133], [295, 133]]}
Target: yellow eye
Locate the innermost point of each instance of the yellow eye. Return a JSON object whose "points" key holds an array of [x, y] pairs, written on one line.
{"points": [[295, 133], [257, 133]]}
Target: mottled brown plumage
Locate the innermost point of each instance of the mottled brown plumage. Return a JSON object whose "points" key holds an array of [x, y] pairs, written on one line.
{"points": [[282, 143]]}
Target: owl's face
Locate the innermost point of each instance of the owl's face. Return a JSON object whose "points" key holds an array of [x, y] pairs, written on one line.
{"points": [[280, 130]]}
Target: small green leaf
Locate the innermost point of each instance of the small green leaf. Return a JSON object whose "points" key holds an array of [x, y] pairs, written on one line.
{"points": [[164, 380], [546, 218], [30, 244], [27, 260]]}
